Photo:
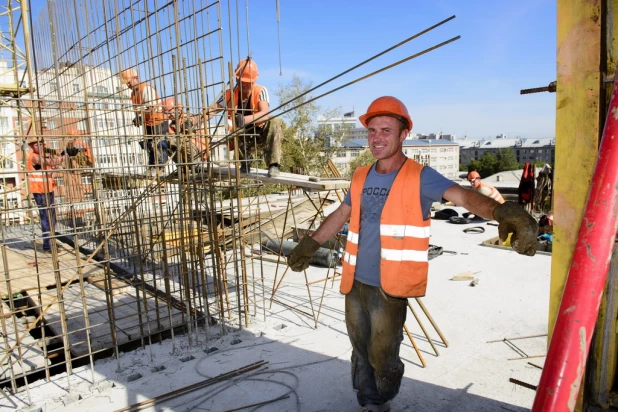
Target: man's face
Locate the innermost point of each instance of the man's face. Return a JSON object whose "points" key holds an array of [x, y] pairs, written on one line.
{"points": [[133, 82], [475, 182], [37, 147], [245, 86], [385, 136]]}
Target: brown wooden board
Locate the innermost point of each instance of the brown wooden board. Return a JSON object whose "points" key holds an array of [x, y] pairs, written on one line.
{"points": [[27, 272], [290, 179]]}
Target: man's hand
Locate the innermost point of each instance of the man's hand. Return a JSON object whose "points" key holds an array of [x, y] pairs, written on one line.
{"points": [[137, 121], [300, 256], [512, 218], [240, 120]]}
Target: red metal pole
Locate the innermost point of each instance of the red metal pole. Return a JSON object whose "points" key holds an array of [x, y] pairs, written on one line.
{"points": [[579, 308]]}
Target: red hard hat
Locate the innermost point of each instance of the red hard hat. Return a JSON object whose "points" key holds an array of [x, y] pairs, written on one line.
{"points": [[247, 70], [474, 174], [387, 106]]}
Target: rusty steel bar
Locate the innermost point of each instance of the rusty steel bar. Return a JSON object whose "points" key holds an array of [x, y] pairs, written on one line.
{"points": [[568, 351]]}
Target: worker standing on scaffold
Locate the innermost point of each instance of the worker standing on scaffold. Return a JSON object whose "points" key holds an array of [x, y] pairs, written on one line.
{"points": [[386, 256], [251, 103], [41, 184], [150, 115]]}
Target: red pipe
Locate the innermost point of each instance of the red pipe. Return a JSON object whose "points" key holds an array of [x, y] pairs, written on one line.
{"points": [[579, 308]]}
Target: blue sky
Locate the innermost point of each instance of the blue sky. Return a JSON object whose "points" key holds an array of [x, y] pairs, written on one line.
{"points": [[469, 87]]}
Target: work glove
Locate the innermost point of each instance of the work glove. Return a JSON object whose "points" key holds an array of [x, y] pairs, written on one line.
{"points": [[512, 218], [240, 120], [71, 151], [137, 121], [301, 254]]}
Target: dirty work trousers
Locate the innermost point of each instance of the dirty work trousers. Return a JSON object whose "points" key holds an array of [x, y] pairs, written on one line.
{"points": [[267, 138], [375, 326], [156, 144], [47, 215]]}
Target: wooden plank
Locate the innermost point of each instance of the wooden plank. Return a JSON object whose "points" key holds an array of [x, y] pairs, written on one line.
{"points": [[22, 264], [118, 285], [290, 179], [127, 325]]}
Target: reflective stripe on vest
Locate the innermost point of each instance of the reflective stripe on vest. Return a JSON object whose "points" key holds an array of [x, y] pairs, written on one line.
{"points": [[495, 195], [151, 118], [39, 182], [404, 234]]}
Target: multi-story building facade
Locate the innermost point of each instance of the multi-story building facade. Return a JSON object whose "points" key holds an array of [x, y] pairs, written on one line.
{"points": [[443, 156], [526, 150]]}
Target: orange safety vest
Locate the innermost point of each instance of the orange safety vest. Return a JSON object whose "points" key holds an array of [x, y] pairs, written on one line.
{"points": [[39, 181], [151, 118], [495, 195], [254, 104], [404, 234]]}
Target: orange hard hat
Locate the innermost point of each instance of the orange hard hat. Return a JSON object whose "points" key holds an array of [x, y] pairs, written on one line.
{"points": [[127, 75], [247, 70], [169, 103], [387, 106], [474, 175]]}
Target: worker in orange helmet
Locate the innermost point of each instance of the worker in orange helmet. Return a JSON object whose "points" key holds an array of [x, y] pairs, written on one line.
{"points": [[150, 115], [485, 188], [195, 145], [247, 104], [386, 257], [41, 184]]}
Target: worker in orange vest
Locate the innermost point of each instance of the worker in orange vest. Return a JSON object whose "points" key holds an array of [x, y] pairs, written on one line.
{"points": [[41, 184], [149, 114], [386, 255], [195, 145], [484, 188], [248, 103]]}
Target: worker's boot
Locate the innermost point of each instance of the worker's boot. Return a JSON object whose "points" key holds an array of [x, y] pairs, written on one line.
{"points": [[273, 170], [376, 408]]}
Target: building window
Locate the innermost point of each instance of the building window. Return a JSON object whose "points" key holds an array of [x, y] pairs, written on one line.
{"points": [[52, 124], [101, 89], [75, 88], [4, 122], [355, 153], [59, 181], [81, 125], [341, 153], [86, 180]]}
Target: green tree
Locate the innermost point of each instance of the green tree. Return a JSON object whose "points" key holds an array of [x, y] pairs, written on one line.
{"points": [[364, 159], [489, 164], [486, 165], [507, 160], [305, 146]]}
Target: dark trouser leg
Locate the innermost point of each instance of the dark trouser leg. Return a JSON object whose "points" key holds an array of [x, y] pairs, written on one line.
{"points": [[272, 135], [47, 215], [156, 143], [375, 327]]}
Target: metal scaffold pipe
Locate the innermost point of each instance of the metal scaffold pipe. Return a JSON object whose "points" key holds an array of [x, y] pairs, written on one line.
{"points": [[568, 351]]}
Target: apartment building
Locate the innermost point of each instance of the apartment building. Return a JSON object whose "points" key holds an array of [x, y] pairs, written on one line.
{"points": [[526, 150]]}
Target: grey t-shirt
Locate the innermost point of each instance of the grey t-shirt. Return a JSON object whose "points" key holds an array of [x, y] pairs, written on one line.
{"points": [[376, 189]]}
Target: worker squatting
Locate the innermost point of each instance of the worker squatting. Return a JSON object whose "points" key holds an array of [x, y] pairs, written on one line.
{"points": [[246, 106]]}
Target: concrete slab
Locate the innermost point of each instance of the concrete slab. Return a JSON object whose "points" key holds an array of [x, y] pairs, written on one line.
{"points": [[312, 366]]}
